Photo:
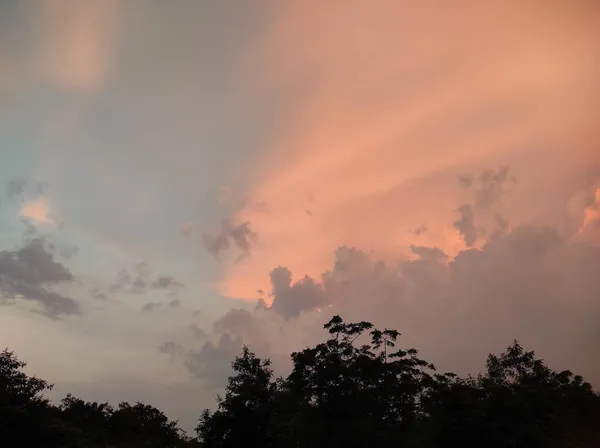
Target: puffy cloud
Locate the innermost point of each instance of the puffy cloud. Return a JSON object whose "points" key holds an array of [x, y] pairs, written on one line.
{"points": [[30, 271], [466, 224], [289, 299], [212, 362], [239, 236], [166, 282], [531, 283], [141, 282], [38, 210]]}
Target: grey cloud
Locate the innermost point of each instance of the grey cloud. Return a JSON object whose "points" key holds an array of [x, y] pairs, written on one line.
{"points": [[15, 187], [489, 185], [170, 348], [237, 327], [289, 300], [212, 362], [428, 253], [466, 180], [235, 321], [68, 251], [501, 222], [166, 282], [123, 280], [419, 230], [142, 269], [138, 286], [231, 235], [488, 188], [151, 306], [197, 332], [530, 283], [23, 187], [466, 224], [98, 294], [29, 272]]}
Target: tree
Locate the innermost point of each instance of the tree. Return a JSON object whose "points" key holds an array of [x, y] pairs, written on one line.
{"points": [[28, 419], [242, 417], [342, 394]]}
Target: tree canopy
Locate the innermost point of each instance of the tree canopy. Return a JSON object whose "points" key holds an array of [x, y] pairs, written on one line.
{"points": [[356, 389]]}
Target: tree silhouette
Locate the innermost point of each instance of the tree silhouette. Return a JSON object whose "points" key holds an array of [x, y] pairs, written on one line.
{"points": [[356, 389], [342, 394]]}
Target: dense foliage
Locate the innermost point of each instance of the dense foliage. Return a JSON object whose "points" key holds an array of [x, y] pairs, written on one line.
{"points": [[339, 394]]}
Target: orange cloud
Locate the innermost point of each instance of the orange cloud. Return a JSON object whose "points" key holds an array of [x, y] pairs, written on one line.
{"points": [[381, 105], [591, 217], [77, 41], [38, 211]]}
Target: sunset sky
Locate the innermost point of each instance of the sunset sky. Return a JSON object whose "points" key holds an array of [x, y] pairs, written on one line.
{"points": [[183, 177]]}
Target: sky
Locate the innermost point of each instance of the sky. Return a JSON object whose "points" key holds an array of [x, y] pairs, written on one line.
{"points": [[182, 178]]}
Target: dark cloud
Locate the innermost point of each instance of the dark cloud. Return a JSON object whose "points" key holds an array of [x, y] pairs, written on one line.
{"points": [[68, 251], [231, 235], [428, 253], [212, 362], [28, 273], [170, 348], [466, 224], [235, 321], [489, 185], [141, 283], [530, 283], [501, 222], [291, 299], [138, 286], [166, 282], [197, 332], [142, 269], [419, 230], [98, 294], [151, 306], [123, 280], [16, 187], [24, 187]]}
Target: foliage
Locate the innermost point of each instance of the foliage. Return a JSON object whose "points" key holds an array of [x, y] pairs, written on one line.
{"points": [[28, 419], [356, 389], [342, 394]]}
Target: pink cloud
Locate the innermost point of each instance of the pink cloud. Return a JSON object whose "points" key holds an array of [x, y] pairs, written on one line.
{"points": [[383, 106]]}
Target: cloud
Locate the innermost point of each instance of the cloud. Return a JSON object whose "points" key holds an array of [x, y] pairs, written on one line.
{"points": [[197, 332], [166, 282], [141, 283], [75, 44], [28, 273], [371, 125], [212, 362], [531, 283], [38, 210], [590, 226], [153, 306], [122, 280], [466, 224], [170, 348], [289, 299], [239, 236]]}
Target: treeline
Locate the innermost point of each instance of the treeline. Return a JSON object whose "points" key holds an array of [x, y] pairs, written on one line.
{"points": [[353, 390]]}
